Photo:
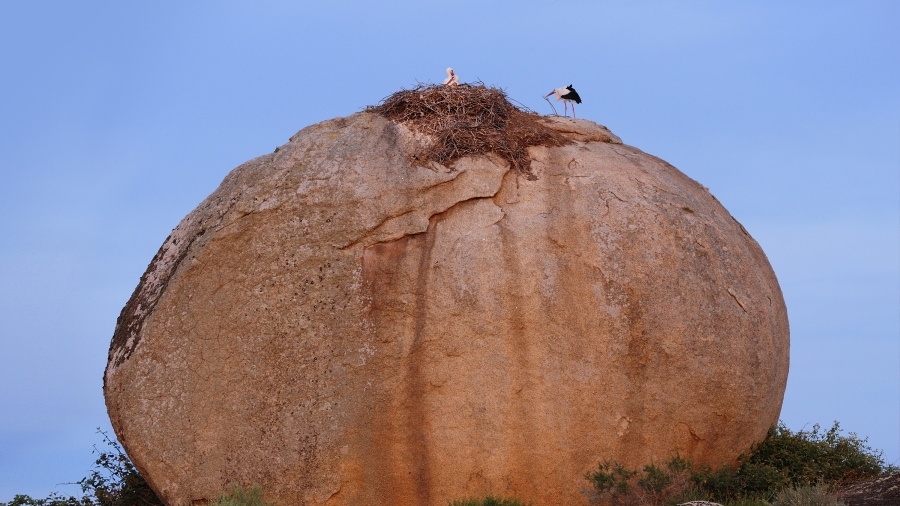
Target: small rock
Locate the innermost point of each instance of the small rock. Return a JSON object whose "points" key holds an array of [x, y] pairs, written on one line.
{"points": [[580, 130]]}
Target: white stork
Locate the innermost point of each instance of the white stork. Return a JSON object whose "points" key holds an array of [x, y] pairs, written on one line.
{"points": [[452, 78], [567, 95]]}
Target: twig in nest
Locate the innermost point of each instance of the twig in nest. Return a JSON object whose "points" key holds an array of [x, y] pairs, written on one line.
{"points": [[551, 105]]}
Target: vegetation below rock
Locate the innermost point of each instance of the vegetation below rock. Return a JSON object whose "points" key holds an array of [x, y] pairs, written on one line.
{"points": [[489, 501], [240, 497], [113, 481], [788, 468], [785, 468], [469, 120], [814, 495]]}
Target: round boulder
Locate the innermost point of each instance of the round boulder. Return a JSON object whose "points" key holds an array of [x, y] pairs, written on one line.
{"points": [[344, 324]]}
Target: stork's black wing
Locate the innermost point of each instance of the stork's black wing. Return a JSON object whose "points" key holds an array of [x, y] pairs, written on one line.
{"points": [[571, 95]]}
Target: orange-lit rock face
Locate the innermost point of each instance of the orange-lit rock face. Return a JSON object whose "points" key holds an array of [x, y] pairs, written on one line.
{"points": [[345, 328]]}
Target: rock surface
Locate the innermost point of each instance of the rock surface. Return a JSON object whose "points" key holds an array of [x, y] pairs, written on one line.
{"points": [[581, 130], [883, 491], [344, 327]]}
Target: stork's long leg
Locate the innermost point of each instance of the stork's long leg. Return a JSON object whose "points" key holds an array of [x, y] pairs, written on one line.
{"points": [[573, 112]]}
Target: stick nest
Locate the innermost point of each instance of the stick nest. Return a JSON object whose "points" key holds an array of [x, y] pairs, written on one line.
{"points": [[469, 120]]}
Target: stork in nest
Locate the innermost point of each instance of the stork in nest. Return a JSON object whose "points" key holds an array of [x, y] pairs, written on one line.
{"points": [[452, 78]]}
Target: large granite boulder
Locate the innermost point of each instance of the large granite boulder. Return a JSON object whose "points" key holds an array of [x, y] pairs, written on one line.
{"points": [[344, 325]]}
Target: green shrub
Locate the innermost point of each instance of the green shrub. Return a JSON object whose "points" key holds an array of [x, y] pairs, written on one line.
{"points": [[793, 459], [489, 501], [814, 456], [652, 485], [785, 460], [53, 500], [816, 495], [748, 502], [612, 479], [655, 480], [113, 481], [237, 496]]}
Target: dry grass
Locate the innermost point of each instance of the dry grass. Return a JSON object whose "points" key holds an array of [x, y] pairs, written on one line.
{"points": [[469, 120], [812, 495]]}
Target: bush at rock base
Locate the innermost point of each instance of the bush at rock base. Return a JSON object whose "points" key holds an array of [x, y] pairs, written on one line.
{"points": [[240, 497], [489, 501], [787, 468], [113, 481], [791, 459], [815, 495], [52, 500], [784, 466]]}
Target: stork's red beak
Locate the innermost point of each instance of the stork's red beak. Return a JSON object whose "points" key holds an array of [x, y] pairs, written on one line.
{"points": [[548, 94]]}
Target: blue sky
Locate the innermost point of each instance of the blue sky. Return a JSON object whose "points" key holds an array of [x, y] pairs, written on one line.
{"points": [[118, 118]]}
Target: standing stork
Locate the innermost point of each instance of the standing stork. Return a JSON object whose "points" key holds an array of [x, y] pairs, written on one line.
{"points": [[452, 78], [567, 95]]}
